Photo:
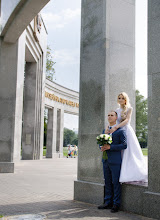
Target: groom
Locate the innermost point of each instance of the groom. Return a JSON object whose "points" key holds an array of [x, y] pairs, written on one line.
{"points": [[112, 166]]}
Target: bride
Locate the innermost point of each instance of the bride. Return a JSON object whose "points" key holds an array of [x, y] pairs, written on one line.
{"points": [[134, 166]]}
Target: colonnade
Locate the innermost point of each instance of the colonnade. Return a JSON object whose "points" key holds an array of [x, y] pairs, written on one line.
{"points": [[22, 68], [58, 100], [23, 45]]}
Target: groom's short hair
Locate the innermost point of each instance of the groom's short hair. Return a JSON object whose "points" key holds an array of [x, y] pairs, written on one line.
{"points": [[113, 111]]}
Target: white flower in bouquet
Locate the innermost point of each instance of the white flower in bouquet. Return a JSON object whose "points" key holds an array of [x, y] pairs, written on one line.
{"points": [[104, 139]]}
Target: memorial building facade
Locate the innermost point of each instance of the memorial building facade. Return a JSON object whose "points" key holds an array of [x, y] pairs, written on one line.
{"points": [[58, 100]]}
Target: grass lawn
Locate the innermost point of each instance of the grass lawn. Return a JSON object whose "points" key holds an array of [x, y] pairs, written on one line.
{"points": [[145, 151], [65, 151], [44, 152]]}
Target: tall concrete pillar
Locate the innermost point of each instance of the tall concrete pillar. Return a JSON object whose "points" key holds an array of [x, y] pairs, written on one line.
{"points": [[106, 68], [152, 197], [50, 126], [19, 99], [51, 133], [11, 96], [31, 140], [61, 133], [60, 128], [29, 136]]}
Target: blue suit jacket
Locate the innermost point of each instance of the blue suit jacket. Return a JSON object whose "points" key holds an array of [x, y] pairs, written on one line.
{"points": [[119, 143]]}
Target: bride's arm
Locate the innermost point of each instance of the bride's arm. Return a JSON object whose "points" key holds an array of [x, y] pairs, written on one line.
{"points": [[123, 123], [107, 130]]}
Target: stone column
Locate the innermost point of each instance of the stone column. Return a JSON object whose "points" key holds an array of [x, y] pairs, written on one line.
{"points": [[32, 114], [106, 68], [60, 127], [152, 197], [39, 117], [43, 77], [19, 98], [11, 96], [29, 136], [61, 133], [51, 133]]}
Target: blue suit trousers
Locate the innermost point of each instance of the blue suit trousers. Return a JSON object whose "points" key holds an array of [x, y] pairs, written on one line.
{"points": [[112, 185]]}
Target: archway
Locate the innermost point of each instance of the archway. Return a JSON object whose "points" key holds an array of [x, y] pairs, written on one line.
{"points": [[14, 20]]}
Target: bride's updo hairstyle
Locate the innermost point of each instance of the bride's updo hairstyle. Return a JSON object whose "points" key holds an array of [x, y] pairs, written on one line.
{"points": [[126, 105]]}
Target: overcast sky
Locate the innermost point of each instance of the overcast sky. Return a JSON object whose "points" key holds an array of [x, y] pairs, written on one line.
{"points": [[62, 20]]}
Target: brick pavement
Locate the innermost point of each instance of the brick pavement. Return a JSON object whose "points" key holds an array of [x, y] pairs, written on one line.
{"points": [[45, 187]]}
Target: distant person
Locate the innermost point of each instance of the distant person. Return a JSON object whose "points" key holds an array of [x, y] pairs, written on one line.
{"points": [[69, 151], [134, 166], [112, 166], [75, 151]]}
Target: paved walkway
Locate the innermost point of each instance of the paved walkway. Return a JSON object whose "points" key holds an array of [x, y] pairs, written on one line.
{"points": [[45, 188]]}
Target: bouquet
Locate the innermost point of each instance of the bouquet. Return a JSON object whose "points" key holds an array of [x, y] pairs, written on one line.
{"points": [[104, 139]]}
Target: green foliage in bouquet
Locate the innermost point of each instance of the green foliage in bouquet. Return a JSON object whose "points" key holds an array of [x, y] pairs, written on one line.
{"points": [[104, 139]]}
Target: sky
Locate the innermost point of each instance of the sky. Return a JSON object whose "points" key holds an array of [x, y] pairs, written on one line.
{"points": [[62, 20]]}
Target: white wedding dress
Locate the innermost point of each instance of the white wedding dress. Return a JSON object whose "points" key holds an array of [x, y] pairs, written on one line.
{"points": [[134, 165]]}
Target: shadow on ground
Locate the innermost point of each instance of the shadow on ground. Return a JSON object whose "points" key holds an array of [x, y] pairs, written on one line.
{"points": [[65, 209]]}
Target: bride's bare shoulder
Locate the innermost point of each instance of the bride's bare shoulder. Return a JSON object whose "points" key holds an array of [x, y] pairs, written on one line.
{"points": [[130, 109]]}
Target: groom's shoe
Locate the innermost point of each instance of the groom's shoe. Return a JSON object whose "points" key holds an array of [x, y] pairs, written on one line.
{"points": [[114, 208], [105, 206]]}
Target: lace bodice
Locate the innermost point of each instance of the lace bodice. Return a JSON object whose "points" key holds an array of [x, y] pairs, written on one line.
{"points": [[119, 118]]}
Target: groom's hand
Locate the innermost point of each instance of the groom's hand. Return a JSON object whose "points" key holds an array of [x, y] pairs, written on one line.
{"points": [[105, 147]]}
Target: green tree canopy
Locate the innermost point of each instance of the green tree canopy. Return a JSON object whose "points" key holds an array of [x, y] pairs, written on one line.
{"points": [[75, 141], [50, 71], [70, 137], [141, 119]]}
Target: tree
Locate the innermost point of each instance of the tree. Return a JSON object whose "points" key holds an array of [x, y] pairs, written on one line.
{"points": [[141, 119], [75, 141], [70, 137], [50, 71]]}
